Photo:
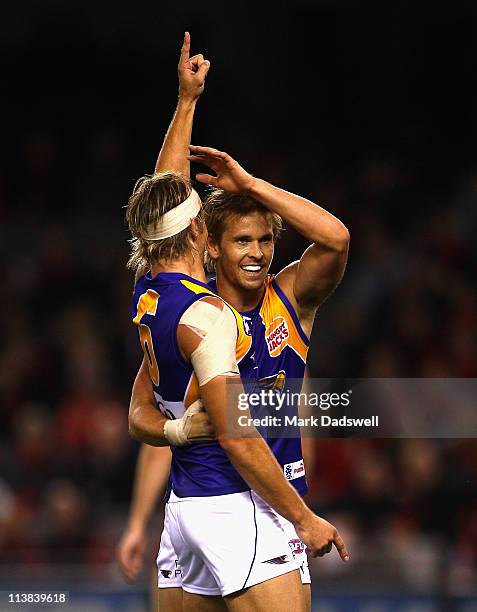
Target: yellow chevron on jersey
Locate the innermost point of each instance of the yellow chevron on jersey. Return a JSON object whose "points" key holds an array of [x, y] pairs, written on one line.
{"points": [[280, 328], [244, 342], [147, 304]]}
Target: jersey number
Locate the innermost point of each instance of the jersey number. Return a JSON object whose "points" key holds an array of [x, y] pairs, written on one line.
{"points": [[147, 304]]}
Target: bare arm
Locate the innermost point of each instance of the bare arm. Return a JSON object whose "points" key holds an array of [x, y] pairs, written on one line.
{"points": [[251, 456], [146, 421], [192, 72], [254, 461], [152, 473], [307, 282], [322, 265]]}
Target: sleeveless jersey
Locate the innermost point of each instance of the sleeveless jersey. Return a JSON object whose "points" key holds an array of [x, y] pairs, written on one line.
{"points": [[201, 469], [277, 361]]}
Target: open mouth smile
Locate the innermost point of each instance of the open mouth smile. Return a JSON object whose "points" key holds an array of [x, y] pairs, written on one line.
{"points": [[252, 268]]}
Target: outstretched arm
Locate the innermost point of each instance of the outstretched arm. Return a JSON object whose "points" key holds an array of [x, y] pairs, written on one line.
{"points": [[192, 72], [308, 282]]}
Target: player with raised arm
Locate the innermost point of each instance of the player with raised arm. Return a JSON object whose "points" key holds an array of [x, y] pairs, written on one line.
{"points": [[192, 360], [192, 71], [153, 464]]}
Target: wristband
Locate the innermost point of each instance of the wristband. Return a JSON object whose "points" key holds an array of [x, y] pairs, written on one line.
{"points": [[177, 430]]}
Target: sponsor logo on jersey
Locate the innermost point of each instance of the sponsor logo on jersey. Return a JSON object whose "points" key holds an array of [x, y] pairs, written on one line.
{"points": [[294, 470], [278, 560], [296, 546], [276, 336]]}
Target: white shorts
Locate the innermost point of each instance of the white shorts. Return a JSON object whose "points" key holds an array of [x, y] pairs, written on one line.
{"points": [[170, 572], [225, 543]]}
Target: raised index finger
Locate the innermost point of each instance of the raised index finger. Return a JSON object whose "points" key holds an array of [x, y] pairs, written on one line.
{"points": [[185, 48], [209, 151]]}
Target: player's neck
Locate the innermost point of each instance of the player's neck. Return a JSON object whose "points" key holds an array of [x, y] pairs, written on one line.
{"points": [[191, 266], [241, 299]]}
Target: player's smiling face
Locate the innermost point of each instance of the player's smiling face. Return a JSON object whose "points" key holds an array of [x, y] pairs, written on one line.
{"points": [[245, 252]]}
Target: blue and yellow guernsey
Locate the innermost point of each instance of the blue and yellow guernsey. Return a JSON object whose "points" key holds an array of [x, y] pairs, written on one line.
{"points": [[277, 361], [202, 469]]}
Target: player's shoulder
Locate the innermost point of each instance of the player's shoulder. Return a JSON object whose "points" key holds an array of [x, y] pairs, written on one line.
{"points": [[198, 288], [286, 277], [213, 300], [209, 306], [283, 284]]}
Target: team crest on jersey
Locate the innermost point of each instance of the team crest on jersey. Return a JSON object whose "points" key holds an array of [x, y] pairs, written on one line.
{"points": [[275, 381], [296, 546], [276, 336], [247, 325]]}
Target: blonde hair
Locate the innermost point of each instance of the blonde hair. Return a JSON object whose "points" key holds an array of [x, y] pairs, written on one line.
{"points": [[221, 205], [151, 198]]}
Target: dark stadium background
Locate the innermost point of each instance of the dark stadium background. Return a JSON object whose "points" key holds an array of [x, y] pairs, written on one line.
{"points": [[369, 108]]}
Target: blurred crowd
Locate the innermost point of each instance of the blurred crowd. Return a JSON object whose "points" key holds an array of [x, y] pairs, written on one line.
{"points": [[68, 356]]}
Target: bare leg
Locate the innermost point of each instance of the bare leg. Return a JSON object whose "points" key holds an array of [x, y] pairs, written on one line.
{"points": [[280, 594], [307, 593], [201, 603], [169, 600]]}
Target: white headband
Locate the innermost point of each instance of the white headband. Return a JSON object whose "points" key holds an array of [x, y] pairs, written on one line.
{"points": [[175, 220]]}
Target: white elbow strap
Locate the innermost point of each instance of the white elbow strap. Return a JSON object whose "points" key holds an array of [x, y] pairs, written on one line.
{"points": [[215, 355], [177, 430]]}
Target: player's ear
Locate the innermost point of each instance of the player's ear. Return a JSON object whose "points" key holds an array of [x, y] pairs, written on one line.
{"points": [[212, 247], [195, 229]]}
